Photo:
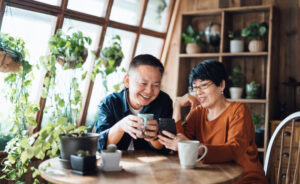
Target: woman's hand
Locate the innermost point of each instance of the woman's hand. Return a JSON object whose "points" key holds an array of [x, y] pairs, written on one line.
{"points": [[187, 100], [170, 140]]}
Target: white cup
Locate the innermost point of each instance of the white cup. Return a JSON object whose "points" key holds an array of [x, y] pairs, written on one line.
{"points": [[188, 151]]}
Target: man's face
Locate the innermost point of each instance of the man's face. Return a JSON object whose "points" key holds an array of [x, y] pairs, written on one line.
{"points": [[143, 83]]}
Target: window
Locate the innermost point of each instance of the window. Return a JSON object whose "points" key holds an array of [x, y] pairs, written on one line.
{"points": [[99, 19]]}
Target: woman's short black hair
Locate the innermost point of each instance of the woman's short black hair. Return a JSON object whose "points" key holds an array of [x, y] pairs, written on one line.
{"points": [[209, 70], [146, 59]]}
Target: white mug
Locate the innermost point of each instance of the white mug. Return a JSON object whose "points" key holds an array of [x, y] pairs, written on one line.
{"points": [[188, 152]]}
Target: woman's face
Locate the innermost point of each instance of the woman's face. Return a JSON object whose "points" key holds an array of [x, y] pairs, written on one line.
{"points": [[207, 92]]}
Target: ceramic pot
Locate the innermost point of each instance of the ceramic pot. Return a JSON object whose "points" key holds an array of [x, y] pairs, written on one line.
{"points": [[70, 145], [256, 46], [83, 165], [236, 92], [7, 63], [62, 60], [192, 48], [259, 137], [252, 90], [236, 46]]}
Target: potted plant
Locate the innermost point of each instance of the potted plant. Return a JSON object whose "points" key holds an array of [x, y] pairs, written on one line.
{"points": [[69, 49], [236, 43], [252, 90], [109, 62], [111, 158], [259, 132], [194, 41], [12, 53], [24, 149], [83, 163], [255, 33], [237, 82]]}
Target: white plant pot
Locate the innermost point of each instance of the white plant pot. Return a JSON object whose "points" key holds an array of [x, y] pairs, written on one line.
{"points": [[192, 48], [256, 46], [236, 92], [236, 46]]}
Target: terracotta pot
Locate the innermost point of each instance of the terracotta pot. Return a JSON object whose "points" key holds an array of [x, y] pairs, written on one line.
{"points": [[236, 46], [192, 48], [236, 92], [256, 46], [8, 64], [62, 61]]}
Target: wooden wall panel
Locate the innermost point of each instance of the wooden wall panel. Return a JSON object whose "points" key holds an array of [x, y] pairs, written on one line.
{"points": [[288, 41]]}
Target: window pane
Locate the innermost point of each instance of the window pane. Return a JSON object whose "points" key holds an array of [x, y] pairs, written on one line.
{"points": [[93, 7], [127, 41], [64, 76], [149, 45], [125, 11], [156, 15], [51, 2], [23, 24]]}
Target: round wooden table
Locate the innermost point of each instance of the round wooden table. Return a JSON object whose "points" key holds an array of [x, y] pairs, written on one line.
{"points": [[146, 167]]}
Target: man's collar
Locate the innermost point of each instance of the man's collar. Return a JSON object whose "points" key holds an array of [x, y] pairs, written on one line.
{"points": [[124, 101]]}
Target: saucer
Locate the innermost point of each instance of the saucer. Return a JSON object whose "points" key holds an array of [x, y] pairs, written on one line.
{"points": [[105, 168]]}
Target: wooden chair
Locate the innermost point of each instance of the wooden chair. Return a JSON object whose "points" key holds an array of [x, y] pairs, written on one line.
{"points": [[283, 154]]}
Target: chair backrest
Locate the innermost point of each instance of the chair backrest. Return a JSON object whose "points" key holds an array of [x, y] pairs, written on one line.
{"points": [[283, 152]]}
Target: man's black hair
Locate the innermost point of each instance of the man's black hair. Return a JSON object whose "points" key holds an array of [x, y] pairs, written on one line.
{"points": [[209, 70], [146, 59]]}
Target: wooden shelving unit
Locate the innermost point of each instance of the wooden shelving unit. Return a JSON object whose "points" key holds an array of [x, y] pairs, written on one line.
{"points": [[255, 65]]}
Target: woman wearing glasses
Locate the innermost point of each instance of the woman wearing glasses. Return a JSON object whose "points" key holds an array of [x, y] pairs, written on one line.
{"points": [[226, 128]]}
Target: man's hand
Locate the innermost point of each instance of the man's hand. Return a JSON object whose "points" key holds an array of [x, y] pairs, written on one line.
{"points": [[151, 130], [129, 125]]}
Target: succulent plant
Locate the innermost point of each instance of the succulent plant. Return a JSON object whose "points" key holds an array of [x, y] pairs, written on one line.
{"points": [[111, 148]]}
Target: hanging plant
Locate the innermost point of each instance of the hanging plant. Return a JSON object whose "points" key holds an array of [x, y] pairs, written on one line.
{"points": [[12, 53], [25, 150], [109, 61], [161, 6], [69, 50]]}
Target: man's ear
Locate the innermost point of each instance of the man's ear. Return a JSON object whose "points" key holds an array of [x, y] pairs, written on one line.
{"points": [[126, 80]]}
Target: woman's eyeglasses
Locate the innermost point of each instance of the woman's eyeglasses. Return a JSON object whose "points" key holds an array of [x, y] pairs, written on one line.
{"points": [[194, 89]]}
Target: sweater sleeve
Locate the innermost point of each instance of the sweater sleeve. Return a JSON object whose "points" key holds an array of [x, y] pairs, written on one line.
{"points": [[239, 135]]}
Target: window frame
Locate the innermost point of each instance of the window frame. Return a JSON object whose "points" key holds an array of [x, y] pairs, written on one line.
{"points": [[62, 12]]}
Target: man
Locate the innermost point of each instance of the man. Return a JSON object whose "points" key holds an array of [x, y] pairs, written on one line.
{"points": [[117, 116]]}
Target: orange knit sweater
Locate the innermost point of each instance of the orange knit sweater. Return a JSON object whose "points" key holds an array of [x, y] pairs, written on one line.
{"points": [[229, 137]]}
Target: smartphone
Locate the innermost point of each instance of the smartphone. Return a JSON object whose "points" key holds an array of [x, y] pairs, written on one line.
{"points": [[167, 124]]}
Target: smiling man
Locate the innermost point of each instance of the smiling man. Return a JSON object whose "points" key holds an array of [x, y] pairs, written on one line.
{"points": [[117, 120]]}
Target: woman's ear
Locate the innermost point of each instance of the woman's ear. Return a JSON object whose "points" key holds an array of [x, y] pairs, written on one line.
{"points": [[126, 80]]}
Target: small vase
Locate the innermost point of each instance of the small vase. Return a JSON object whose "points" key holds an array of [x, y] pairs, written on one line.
{"points": [[236, 92], [256, 46], [252, 90], [236, 46], [192, 48]]}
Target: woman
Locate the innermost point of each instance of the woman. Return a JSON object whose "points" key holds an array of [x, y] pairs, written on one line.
{"points": [[226, 128]]}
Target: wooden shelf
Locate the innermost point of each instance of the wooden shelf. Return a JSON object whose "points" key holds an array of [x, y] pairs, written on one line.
{"points": [[199, 55], [245, 54], [244, 100], [256, 66], [225, 54]]}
